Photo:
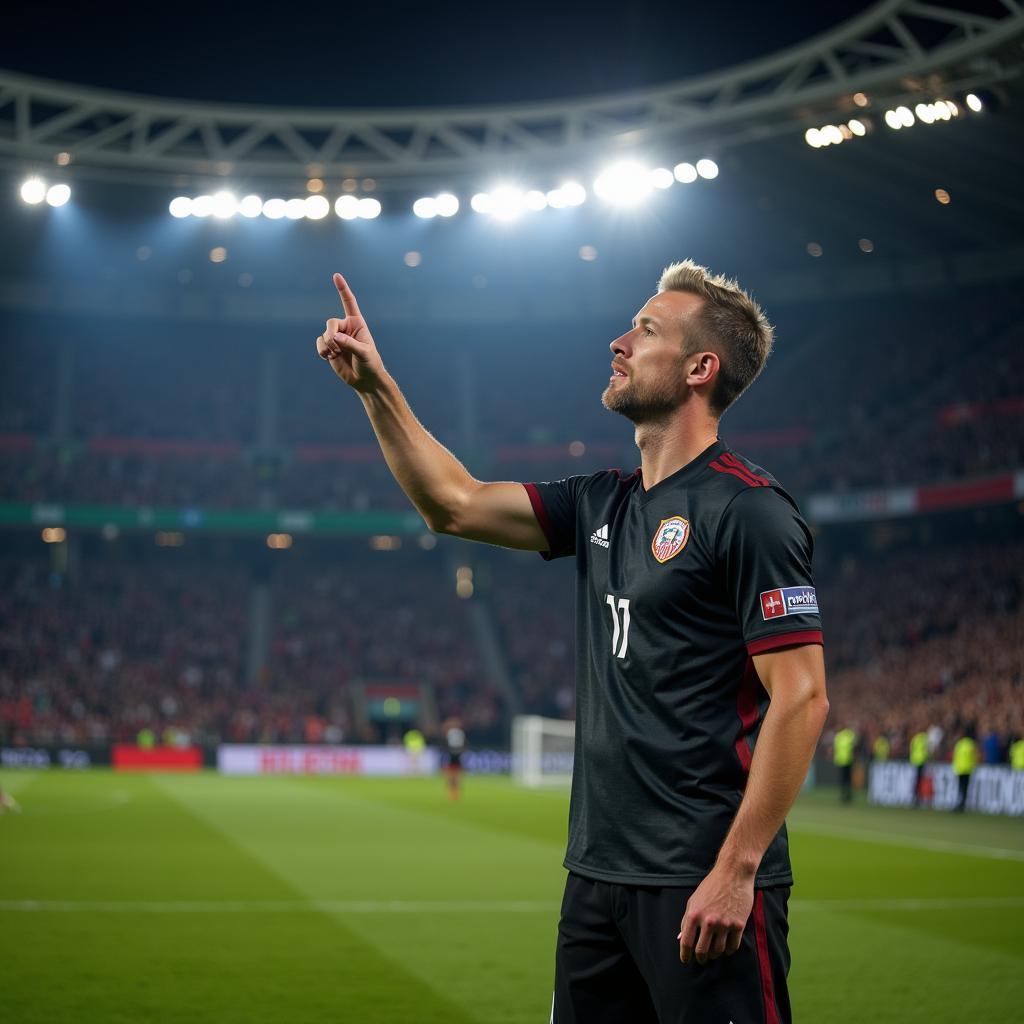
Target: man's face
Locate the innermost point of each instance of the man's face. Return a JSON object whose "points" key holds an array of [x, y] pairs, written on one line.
{"points": [[648, 371]]}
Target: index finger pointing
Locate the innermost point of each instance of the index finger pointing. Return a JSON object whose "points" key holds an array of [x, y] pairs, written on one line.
{"points": [[348, 299]]}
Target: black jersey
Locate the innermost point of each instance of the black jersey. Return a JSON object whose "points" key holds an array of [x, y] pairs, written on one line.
{"points": [[676, 588]]}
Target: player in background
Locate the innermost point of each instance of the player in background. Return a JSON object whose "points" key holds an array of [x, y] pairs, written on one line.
{"points": [[451, 759], [8, 803], [699, 669]]}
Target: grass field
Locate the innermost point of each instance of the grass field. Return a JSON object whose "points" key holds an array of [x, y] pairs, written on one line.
{"points": [[126, 898]]}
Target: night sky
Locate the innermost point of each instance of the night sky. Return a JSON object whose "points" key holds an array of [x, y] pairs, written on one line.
{"points": [[398, 54]]}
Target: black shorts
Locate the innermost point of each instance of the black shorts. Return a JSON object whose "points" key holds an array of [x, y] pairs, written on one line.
{"points": [[617, 960]]}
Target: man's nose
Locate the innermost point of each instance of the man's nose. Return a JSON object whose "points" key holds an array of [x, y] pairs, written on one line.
{"points": [[620, 346]]}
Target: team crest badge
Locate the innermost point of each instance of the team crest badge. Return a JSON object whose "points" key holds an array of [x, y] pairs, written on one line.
{"points": [[670, 538]]}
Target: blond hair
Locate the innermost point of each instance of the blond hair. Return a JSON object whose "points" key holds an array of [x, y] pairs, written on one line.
{"points": [[729, 322]]}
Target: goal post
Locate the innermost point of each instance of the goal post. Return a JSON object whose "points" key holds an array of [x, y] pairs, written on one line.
{"points": [[542, 750]]}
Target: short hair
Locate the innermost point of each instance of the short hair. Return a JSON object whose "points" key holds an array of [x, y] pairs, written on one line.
{"points": [[730, 322]]}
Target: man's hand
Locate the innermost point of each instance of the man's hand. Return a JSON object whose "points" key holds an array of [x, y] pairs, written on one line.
{"points": [[716, 915], [348, 345]]}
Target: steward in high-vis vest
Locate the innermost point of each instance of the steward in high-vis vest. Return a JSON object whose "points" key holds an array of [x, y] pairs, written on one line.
{"points": [[1017, 754], [843, 747], [881, 748], [919, 759], [965, 757]]}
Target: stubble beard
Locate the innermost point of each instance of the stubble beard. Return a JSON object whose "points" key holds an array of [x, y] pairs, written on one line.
{"points": [[643, 403]]}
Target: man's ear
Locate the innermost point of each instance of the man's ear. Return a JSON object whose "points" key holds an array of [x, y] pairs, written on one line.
{"points": [[702, 368]]}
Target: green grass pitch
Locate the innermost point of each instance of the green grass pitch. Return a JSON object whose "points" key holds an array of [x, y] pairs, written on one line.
{"points": [[127, 898]]}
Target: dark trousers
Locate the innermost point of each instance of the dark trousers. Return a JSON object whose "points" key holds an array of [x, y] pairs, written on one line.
{"points": [[964, 782], [617, 960], [846, 783], [917, 785]]}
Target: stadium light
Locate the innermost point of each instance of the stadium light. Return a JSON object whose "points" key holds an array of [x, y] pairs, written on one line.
{"points": [[858, 127], [33, 191], [295, 209], [180, 206], [202, 206], [707, 169], [446, 204], [273, 209], [812, 137], [507, 202], [569, 194], [662, 177], [250, 206], [425, 207], [906, 116], [316, 207], [624, 184], [685, 173], [481, 202], [974, 103], [368, 208], [58, 195], [892, 119], [535, 200], [347, 207]]}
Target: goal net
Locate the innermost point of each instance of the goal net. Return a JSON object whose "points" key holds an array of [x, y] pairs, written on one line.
{"points": [[542, 750]]}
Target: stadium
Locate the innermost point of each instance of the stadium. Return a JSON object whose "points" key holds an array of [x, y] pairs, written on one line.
{"points": [[276, 744]]}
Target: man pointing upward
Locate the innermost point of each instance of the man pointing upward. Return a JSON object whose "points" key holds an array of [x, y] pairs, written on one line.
{"points": [[700, 677]]}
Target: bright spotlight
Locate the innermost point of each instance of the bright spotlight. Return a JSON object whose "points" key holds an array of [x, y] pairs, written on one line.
{"points": [[425, 207], [507, 202], [535, 200], [812, 137], [661, 177], [974, 102], [250, 206], [202, 206], [181, 206], [906, 116], [33, 191], [295, 209], [954, 110], [624, 183], [446, 205], [857, 127], [569, 194], [316, 207], [685, 173], [347, 207], [369, 208], [58, 195], [830, 134], [224, 205], [274, 209], [925, 113], [892, 119], [707, 169], [481, 202]]}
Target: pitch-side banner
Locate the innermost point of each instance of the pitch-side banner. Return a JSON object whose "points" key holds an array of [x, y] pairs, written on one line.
{"points": [[235, 759], [994, 788]]}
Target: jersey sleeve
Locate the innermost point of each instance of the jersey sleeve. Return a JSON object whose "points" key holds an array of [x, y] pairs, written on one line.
{"points": [[554, 505], [765, 547]]}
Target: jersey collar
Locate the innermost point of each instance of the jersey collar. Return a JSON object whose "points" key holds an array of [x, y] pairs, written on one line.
{"points": [[685, 475]]}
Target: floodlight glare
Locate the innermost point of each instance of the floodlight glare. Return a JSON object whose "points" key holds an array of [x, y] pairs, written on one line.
{"points": [[624, 183], [535, 200], [446, 205], [925, 113], [569, 194], [906, 116], [224, 205], [202, 206], [661, 177], [369, 208], [974, 102], [250, 206], [953, 109], [812, 137], [425, 207], [709, 169], [273, 209], [181, 206], [892, 119], [857, 127], [33, 191], [481, 202], [316, 207], [507, 202], [685, 173], [58, 195], [347, 207]]}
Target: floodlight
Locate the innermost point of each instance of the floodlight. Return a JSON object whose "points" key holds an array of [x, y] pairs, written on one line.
{"points": [[425, 207], [347, 207], [181, 206], [857, 127], [274, 209], [224, 205], [58, 195], [507, 202], [685, 173], [624, 183], [974, 102], [33, 191], [202, 206], [535, 200], [905, 115], [369, 208], [661, 177], [481, 202], [707, 169], [316, 207], [250, 206], [925, 113], [446, 205], [812, 137], [892, 119], [295, 209]]}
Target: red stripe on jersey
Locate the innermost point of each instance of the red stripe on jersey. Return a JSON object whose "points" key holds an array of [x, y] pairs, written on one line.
{"points": [[729, 459], [771, 1013], [543, 519], [771, 643], [749, 711], [741, 474]]}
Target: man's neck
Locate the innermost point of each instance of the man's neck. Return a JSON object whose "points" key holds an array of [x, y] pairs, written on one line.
{"points": [[668, 445]]}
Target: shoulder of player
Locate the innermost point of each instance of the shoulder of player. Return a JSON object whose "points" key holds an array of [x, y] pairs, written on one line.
{"points": [[607, 481]]}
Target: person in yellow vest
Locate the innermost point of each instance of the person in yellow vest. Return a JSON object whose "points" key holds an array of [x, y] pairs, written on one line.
{"points": [[843, 745], [919, 759], [965, 757], [1017, 754], [415, 743], [880, 749]]}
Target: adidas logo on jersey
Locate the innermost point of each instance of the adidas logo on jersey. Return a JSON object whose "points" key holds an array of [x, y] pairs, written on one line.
{"points": [[600, 536]]}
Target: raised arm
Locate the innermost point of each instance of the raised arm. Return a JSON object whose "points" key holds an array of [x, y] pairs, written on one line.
{"points": [[448, 497]]}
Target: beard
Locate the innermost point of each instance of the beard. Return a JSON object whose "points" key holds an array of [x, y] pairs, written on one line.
{"points": [[645, 402]]}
